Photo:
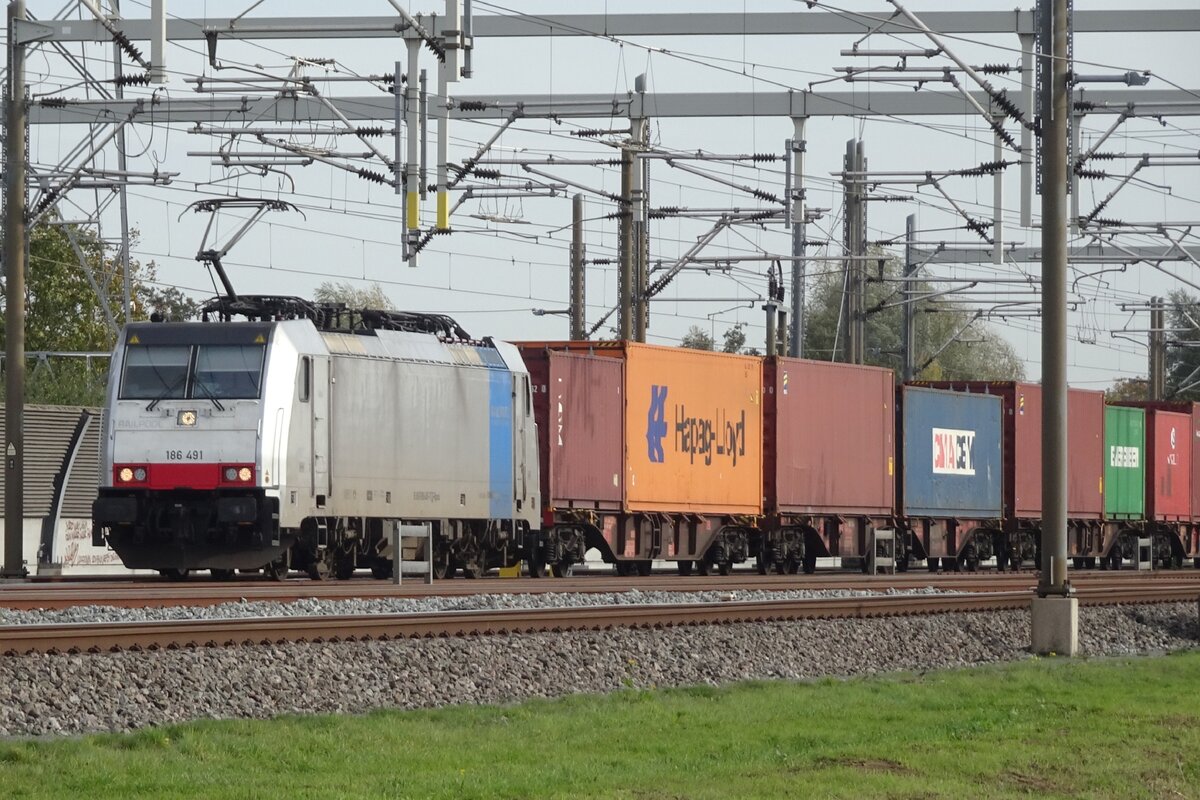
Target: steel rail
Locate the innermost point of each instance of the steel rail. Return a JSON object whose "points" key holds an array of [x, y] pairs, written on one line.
{"points": [[136, 636], [156, 593]]}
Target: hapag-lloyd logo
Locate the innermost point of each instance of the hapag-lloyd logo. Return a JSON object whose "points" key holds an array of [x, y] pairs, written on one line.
{"points": [[695, 436], [953, 452]]}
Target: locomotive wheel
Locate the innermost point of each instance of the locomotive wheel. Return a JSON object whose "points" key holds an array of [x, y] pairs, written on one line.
{"points": [[317, 570], [443, 567], [344, 568], [381, 568], [685, 567], [762, 564], [277, 570], [563, 569], [643, 567], [221, 574], [724, 567], [175, 574], [703, 568], [792, 565], [810, 564], [537, 568], [471, 570]]}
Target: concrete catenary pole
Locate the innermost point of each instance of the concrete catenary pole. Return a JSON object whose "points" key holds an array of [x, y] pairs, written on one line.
{"points": [[908, 335], [122, 193], [1158, 350], [578, 277], [412, 177], [625, 279], [797, 146], [14, 273], [1055, 612]]}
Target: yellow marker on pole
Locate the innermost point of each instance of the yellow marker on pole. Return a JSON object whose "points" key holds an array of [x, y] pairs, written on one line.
{"points": [[414, 211], [443, 211]]}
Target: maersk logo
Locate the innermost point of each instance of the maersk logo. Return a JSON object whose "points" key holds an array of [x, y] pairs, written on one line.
{"points": [[1124, 457], [953, 452], [656, 424]]}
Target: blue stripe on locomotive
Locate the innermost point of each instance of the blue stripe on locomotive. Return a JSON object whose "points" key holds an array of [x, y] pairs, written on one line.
{"points": [[500, 444], [949, 474]]}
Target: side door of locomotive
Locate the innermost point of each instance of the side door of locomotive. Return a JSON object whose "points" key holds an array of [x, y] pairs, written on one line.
{"points": [[320, 430], [522, 427]]}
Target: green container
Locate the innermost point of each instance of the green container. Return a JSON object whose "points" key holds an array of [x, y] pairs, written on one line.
{"points": [[1124, 463]]}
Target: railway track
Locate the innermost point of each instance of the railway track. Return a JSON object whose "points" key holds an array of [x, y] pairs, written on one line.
{"points": [[195, 633], [161, 593]]}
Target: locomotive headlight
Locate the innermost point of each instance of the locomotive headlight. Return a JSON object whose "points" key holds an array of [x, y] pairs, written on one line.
{"points": [[126, 475], [139, 473], [186, 419], [231, 473], [245, 474]]}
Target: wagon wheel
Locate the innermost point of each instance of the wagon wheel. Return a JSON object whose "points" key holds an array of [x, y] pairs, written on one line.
{"points": [[643, 567], [762, 563], [472, 569], [563, 569], [703, 568], [219, 574], [810, 564], [537, 567], [724, 567], [175, 573], [381, 568], [343, 568], [443, 564], [684, 567]]}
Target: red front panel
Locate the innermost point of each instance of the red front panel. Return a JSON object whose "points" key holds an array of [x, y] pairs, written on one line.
{"points": [[831, 438], [172, 475], [1169, 462]]}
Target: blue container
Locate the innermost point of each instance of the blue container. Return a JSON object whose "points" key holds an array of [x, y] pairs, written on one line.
{"points": [[952, 463]]}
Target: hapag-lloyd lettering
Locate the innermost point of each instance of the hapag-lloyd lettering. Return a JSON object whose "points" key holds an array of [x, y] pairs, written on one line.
{"points": [[709, 436]]}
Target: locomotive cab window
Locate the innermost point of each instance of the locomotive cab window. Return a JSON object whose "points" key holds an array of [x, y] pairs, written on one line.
{"points": [[305, 378], [228, 371], [155, 373]]}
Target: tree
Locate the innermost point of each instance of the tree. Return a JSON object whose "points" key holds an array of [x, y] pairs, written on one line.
{"points": [[1127, 389], [63, 313], [1183, 352], [975, 353], [372, 297], [697, 339], [735, 339]]}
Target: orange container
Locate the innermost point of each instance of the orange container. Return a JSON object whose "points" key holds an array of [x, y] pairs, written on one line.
{"points": [[693, 431]]}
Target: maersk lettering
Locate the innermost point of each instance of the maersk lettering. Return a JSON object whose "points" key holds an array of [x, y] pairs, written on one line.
{"points": [[953, 452], [1124, 457], [709, 436]]}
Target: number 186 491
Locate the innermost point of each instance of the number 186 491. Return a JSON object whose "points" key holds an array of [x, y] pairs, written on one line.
{"points": [[185, 455]]}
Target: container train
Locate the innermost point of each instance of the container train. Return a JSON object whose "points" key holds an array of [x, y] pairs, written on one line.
{"points": [[298, 438]]}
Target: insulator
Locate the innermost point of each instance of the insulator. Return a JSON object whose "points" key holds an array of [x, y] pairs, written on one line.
{"points": [[1006, 105], [588, 132], [765, 196], [486, 174], [600, 261], [996, 69], [1108, 222], [369, 131], [391, 77], [436, 49], [986, 168], [472, 105], [1102, 156], [53, 102], [1084, 105], [127, 46], [371, 175], [1091, 174], [664, 210], [761, 157], [1007, 137], [134, 79]]}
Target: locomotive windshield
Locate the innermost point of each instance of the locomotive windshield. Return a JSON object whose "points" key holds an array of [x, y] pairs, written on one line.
{"points": [[206, 371]]}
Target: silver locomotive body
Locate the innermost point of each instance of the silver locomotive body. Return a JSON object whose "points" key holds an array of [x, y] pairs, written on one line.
{"points": [[238, 445]]}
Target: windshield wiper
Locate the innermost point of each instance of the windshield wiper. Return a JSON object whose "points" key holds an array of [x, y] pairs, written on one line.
{"points": [[203, 387], [174, 385]]}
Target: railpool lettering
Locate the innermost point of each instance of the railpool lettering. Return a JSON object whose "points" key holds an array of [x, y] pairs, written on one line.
{"points": [[953, 452], [706, 437], [1124, 457]]}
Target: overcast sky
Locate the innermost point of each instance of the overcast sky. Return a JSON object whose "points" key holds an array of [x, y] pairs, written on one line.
{"points": [[489, 274]]}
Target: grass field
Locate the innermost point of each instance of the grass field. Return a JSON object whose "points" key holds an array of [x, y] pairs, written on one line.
{"points": [[1127, 728]]}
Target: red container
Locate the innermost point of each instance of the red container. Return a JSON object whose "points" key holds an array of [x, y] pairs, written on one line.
{"points": [[580, 414], [829, 438], [1169, 445], [1023, 447], [1192, 410]]}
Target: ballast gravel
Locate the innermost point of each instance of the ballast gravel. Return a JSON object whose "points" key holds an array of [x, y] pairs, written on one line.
{"points": [[65, 694]]}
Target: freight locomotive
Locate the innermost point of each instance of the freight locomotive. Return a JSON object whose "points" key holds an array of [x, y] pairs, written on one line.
{"points": [[298, 439]]}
